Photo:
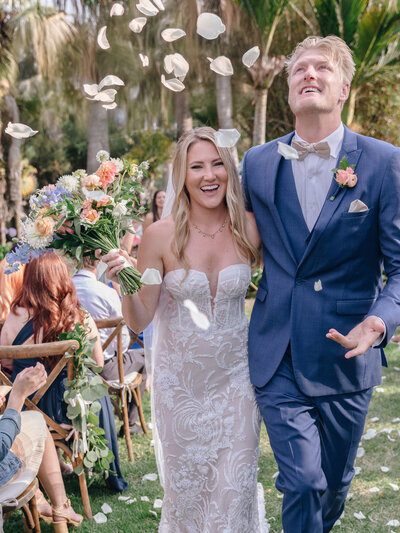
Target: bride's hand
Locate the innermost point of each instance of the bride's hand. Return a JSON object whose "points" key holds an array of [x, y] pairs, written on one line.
{"points": [[115, 262]]}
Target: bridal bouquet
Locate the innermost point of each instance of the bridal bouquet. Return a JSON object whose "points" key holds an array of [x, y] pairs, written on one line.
{"points": [[82, 213]]}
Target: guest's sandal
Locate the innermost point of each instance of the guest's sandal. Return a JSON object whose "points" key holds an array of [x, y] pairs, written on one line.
{"points": [[61, 526]]}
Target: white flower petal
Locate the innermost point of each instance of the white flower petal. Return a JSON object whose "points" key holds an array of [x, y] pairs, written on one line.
{"points": [[172, 34], [136, 25], [379, 389], [337, 523], [360, 452], [159, 4], [152, 512], [151, 276], [91, 89], [158, 503], [349, 495], [102, 40], [172, 84], [359, 516], [100, 518], [394, 486], [385, 469], [150, 477], [374, 489], [287, 151], [131, 500], [275, 475], [390, 438], [370, 434], [199, 318], [107, 96], [106, 508], [394, 420], [144, 59], [177, 64], [251, 56], [117, 10], [110, 106], [396, 367], [226, 138], [357, 470], [374, 419], [144, 498], [147, 8], [394, 523], [222, 65], [123, 498], [110, 80], [209, 26], [150, 425], [94, 195], [19, 131]]}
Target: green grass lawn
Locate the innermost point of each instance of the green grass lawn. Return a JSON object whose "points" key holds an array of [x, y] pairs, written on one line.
{"points": [[378, 507]]}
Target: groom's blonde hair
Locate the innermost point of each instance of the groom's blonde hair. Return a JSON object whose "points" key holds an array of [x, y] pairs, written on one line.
{"points": [[334, 48], [234, 197]]}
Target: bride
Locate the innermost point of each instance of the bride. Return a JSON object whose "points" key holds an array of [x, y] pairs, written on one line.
{"points": [[206, 421]]}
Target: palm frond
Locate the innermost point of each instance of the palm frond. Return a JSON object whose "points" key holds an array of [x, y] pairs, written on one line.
{"points": [[326, 15]]}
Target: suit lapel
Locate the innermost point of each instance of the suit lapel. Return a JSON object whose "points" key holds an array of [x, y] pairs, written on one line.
{"points": [[335, 194], [270, 188]]}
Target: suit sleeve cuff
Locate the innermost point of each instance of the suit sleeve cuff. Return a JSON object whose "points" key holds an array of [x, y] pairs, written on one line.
{"points": [[382, 337]]}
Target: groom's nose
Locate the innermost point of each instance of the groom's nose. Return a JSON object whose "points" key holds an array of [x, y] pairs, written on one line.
{"points": [[309, 73]]}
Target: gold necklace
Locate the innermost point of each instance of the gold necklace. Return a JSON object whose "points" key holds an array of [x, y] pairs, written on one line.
{"points": [[211, 235]]}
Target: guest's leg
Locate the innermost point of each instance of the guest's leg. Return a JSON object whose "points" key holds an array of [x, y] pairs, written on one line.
{"points": [[342, 424], [292, 420]]}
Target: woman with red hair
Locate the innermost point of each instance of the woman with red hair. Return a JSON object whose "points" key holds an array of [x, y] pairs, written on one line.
{"points": [[45, 306]]}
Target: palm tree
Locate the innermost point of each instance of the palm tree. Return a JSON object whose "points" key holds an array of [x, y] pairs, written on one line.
{"points": [[372, 31], [265, 15], [38, 33]]}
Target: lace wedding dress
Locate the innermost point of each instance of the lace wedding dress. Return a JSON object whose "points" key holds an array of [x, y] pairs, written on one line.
{"points": [[206, 420]]}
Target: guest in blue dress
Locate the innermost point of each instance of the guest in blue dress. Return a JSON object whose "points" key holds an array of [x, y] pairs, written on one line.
{"points": [[46, 306]]}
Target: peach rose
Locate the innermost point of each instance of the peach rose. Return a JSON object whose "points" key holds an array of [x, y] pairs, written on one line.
{"points": [[87, 204], [107, 172], [346, 178], [91, 182], [106, 200], [90, 216], [44, 226]]}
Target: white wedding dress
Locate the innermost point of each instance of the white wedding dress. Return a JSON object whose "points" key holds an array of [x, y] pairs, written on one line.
{"points": [[206, 422]]}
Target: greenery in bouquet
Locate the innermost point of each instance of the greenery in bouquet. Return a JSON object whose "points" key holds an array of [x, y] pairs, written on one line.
{"points": [[82, 213], [81, 395]]}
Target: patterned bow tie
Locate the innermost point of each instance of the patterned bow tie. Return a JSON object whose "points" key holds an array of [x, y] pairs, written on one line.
{"points": [[303, 149]]}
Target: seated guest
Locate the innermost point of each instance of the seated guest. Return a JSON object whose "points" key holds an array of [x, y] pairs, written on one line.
{"points": [[46, 306], [103, 302], [26, 444]]}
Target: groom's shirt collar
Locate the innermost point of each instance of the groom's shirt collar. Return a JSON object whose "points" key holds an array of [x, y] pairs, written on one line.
{"points": [[335, 140]]}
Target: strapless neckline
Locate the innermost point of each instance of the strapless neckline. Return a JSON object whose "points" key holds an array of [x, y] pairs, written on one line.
{"points": [[238, 265]]}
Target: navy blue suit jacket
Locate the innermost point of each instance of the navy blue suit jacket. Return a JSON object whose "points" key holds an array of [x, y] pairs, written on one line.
{"points": [[344, 255]]}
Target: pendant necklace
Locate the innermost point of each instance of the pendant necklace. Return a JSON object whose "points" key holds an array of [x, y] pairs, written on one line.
{"points": [[211, 235]]}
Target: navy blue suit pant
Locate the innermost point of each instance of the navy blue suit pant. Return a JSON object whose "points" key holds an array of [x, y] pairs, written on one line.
{"points": [[315, 441]]}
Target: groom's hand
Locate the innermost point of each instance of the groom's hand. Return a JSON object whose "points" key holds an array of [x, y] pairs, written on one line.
{"points": [[361, 337]]}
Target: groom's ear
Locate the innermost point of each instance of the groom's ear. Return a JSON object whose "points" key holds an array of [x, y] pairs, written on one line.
{"points": [[344, 93]]}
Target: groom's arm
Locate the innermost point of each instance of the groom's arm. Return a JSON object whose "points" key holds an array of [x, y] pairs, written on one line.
{"points": [[387, 306], [245, 186]]}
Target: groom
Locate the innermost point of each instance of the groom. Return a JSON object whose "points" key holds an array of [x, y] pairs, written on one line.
{"points": [[321, 316]]}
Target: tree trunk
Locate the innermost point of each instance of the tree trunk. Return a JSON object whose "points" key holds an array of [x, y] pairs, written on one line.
{"points": [[224, 107], [260, 116], [13, 169], [183, 118], [97, 135]]}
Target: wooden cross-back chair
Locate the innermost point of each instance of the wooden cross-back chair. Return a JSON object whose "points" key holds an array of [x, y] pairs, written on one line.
{"points": [[21, 494], [119, 394], [58, 431]]}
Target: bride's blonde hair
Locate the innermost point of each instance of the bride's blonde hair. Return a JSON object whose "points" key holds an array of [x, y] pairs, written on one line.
{"points": [[234, 197]]}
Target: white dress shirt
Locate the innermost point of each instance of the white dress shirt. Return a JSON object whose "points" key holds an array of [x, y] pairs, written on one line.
{"points": [[313, 176], [101, 301]]}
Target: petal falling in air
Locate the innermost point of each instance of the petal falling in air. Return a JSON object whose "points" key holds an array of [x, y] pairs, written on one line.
{"points": [[117, 10], [110, 80], [151, 276], [102, 40], [136, 25], [288, 152], [221, 65], [209, 26], [19, 131], [144, 59], [172, 34], [251, 56], [199, 318], [226, 138], [172, 84], [147, 8]]}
